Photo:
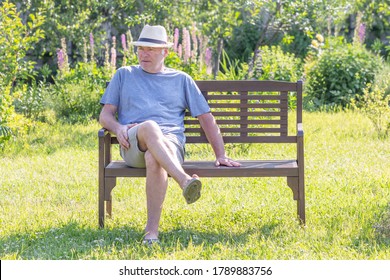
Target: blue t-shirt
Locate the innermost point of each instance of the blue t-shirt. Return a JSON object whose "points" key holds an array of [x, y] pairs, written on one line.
{"points": [[162, 97]]}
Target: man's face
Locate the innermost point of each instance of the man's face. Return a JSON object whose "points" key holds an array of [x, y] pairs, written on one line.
{"points": [[151, 59]]}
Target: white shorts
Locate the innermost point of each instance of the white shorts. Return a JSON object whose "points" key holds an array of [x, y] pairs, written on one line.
{"points": [[134, 157]]}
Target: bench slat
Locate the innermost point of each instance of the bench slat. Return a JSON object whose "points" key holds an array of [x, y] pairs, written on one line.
{"points": [[249, 114], [248, 105], [249, 168], [237, 122], [259, 97], [238, 130], [247, 139], [254, 86]]}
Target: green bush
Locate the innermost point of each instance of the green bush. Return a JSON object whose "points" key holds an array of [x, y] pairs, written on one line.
{"points": [[75, 96], [375, 104], [29, 99], [16, 38], [5, 113], [340, 74], [382, 79], [231, 69], [274, 64]]}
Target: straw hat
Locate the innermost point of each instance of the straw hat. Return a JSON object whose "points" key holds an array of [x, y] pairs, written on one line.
{"points": [[153, 36]]}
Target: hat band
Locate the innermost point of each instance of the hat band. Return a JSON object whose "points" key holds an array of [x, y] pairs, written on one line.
{"points": [[152, 41]]}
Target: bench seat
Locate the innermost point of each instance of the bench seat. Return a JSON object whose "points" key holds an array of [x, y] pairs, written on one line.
{"points": [[249, 168]]}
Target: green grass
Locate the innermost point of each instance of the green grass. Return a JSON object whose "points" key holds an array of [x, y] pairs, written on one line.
{"points": [[48, 201]]}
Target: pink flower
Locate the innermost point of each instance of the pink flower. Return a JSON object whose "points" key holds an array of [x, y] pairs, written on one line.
{"points": [[186, 45], [92, 45], [91, 41], [362, 32], [176, 40], [123, 39], [113, 52], [194, 42], [180, 50], [60, 58], [208, 56]]}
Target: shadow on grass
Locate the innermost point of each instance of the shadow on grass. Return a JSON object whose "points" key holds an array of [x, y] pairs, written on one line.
{"points": [[74, 241], [382, 227], [374, 235]]}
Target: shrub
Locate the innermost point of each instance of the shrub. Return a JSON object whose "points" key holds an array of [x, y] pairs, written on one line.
{"points": [[382, 79], [232, 69], [340, 74], [375, 104], [16, 38], [29, 99], [75, 96], [5, 113], [273, 64]]}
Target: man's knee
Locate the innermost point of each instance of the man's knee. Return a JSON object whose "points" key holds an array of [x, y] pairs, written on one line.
{"points": [[148, 131], [149, 126]]}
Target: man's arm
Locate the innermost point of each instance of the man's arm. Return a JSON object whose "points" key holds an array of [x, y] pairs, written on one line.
{"points": [[108, 120], [214, 137]]}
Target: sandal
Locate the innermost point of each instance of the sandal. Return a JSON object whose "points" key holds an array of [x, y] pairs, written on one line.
{"points": [[192, 191], [151, 242]]}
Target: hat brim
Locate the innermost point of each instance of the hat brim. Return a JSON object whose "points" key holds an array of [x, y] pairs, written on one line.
{"points": [[149, 44]]}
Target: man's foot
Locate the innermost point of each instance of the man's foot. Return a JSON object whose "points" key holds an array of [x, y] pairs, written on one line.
{"points": [[191, 191], [150, 242]]}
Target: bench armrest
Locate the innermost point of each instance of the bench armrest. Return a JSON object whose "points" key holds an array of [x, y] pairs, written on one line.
{"points": [[300, 130], [102, 132]]}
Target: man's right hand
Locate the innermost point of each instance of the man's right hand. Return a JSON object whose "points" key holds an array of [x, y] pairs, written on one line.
{"points": [[108, 120], [122, 135]]}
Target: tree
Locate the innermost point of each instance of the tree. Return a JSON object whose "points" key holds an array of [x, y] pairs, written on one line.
{"points": [[16, 39]]}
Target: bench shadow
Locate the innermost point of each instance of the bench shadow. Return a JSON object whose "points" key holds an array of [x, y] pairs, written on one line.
{"points": [[75, 241]]}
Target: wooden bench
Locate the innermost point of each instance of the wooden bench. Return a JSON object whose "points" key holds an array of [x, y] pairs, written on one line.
{"points": [[247, 112]]}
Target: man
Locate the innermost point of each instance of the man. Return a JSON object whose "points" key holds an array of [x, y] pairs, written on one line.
{"points": [[149, 101]]}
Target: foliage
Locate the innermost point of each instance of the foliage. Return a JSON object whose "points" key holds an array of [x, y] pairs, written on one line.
{"points": [[376, 15], [232, 69], [30, 99], [240, 27], [16, 39], [382, 79], [76, 94], [341, 73], [6, 111], [375, 104], [274, 64]]}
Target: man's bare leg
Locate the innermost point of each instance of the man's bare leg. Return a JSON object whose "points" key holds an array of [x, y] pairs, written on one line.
{"points": [[156, 187], [150, 138], [160, 161]]}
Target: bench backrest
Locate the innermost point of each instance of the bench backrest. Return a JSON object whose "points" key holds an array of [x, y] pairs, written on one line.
{"points": [[248, 111]]}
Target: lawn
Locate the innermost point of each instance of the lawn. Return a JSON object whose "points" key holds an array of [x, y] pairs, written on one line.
{"points": [[48, 201]]}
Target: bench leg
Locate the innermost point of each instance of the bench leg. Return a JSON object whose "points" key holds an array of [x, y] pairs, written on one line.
{"points": [[110, 184], [105, 200], [293, 183], [301, 201], [297, 187], [101, 206]]}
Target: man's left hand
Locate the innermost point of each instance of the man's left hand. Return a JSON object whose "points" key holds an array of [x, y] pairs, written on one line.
{"points": [[226, 162]]}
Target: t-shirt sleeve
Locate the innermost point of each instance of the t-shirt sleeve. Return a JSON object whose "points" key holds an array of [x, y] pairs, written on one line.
{"points": [[111, 94], [196, 102]]}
